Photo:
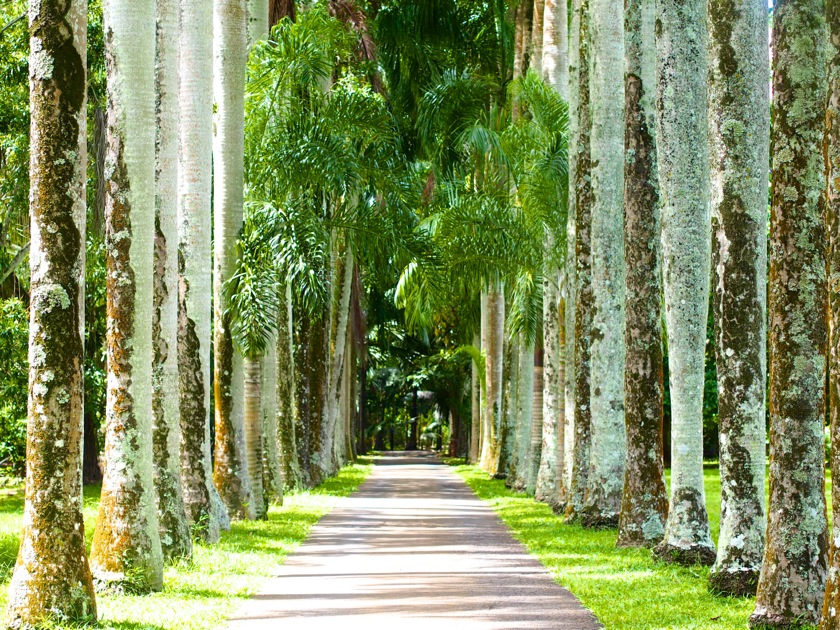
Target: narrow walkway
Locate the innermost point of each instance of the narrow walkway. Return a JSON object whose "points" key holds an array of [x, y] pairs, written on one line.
{"points": [[413, 548]]}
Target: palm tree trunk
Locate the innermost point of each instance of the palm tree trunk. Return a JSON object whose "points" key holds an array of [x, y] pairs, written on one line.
{"points": [[286, 395], [52, 577], [644, 505], [175, 535], [684, 176], [522, 36], [547, 487], [555, 46], [311, 366], [534, 457], [739, 218], [230, 53], [524, 415], [582, 193], [535, 61], [254, 434], [509, 433], [792, 580], [830, 619], [271, 464], [475, 408], [126, 546], [204, 506], [602, 503], [257, 20], [494, 358]]}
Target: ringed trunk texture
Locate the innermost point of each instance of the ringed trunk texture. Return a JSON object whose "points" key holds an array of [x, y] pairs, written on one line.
{"points": [[548, 485], [205, 510], [126, 552], [582, 192], [791, 584], [271, 464], [491, 441], [555, 46], [230, 54], [831, 606], [683, 154], [175, 535], [52, 579], [644, 504], [534, 458], [535, 61], [509, 434], [602, 503], [254, 434], [475, 408], [739, 127], [286, 396]]}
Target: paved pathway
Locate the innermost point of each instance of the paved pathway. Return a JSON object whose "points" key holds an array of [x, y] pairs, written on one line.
{"points": [[412, 548]]}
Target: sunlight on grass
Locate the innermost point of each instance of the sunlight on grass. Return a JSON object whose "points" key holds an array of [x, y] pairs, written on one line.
{"points": [[204, 592], [625, 588]]}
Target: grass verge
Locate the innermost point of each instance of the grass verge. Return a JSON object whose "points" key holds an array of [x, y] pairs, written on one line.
{"points": [[204, 592], [625, 588]]}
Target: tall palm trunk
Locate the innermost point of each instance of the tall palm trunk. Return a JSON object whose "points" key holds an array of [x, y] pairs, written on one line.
{"points": [[684, 184], [534, 458], [582, 192], [311, 365], [605, 481], [271, 464], [831, 606], [494, 353], [175, 535], [510, 391], [524, 414], [254, 433], [257, 20], [522, 36], [535, 61], [204, 506], [126, 547], [286, 395], [52, 578], [644, 505], [230, 51], [555, 46], [792, 580], [738, 95], [475, 408]]}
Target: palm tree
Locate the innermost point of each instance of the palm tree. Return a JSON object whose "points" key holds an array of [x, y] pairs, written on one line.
{"points": [[682, 138], [126, 550], [644, 505], [52, 580], [175, 536], [204, 506], [230, 55], [739, 223], [792, 580], [602, 502]]}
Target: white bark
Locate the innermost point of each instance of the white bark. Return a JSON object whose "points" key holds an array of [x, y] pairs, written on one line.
{"points": [[475, 408], [257, 20], [553, 420], [493, 343], [272, 469], [602, 504], [555, 52], [126, 545], [195, 112], [524, 414], [686, 251]]}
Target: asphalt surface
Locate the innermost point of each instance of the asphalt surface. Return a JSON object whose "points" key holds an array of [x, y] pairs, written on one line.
{"points": [[412, 548]]}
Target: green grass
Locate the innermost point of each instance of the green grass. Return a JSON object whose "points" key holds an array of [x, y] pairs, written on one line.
{"points": [[202, 593], [625, 588]]}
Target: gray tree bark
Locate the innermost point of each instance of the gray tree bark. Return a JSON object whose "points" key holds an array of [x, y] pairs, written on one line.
{"points": [[683, 154], [791, 584], [52, 579], [494, 352], [739, 126], [287, 415], [644, 505], [126, 550]]}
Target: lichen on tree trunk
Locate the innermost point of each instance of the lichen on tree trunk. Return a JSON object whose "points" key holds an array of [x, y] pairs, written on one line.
{"points": [[272, 463], [548, 485], [175, 535], [605, 480], [831, 603], [582, 192], [126, 551], [286, 398], [230, 55], [52, 579], [739, 131], [525, 416], [682, 136], [792, 580], [644, 505]]}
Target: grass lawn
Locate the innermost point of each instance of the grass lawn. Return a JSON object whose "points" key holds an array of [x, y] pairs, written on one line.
{"points": [[625, 588], [206, 591]]}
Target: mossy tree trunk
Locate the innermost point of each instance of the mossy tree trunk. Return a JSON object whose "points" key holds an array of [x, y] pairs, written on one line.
{"points": [[126, 552], [524, 415], [509, 433], [548, 486], [175, 535], [230, 55], [682, 138], [254, 433], [739, 129], [605, 480], [644, 504], [272, 464], [311, 364], [204, 506], [286, 397], [582, 193], [52, 579], [791, 584], [831, 606]]}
